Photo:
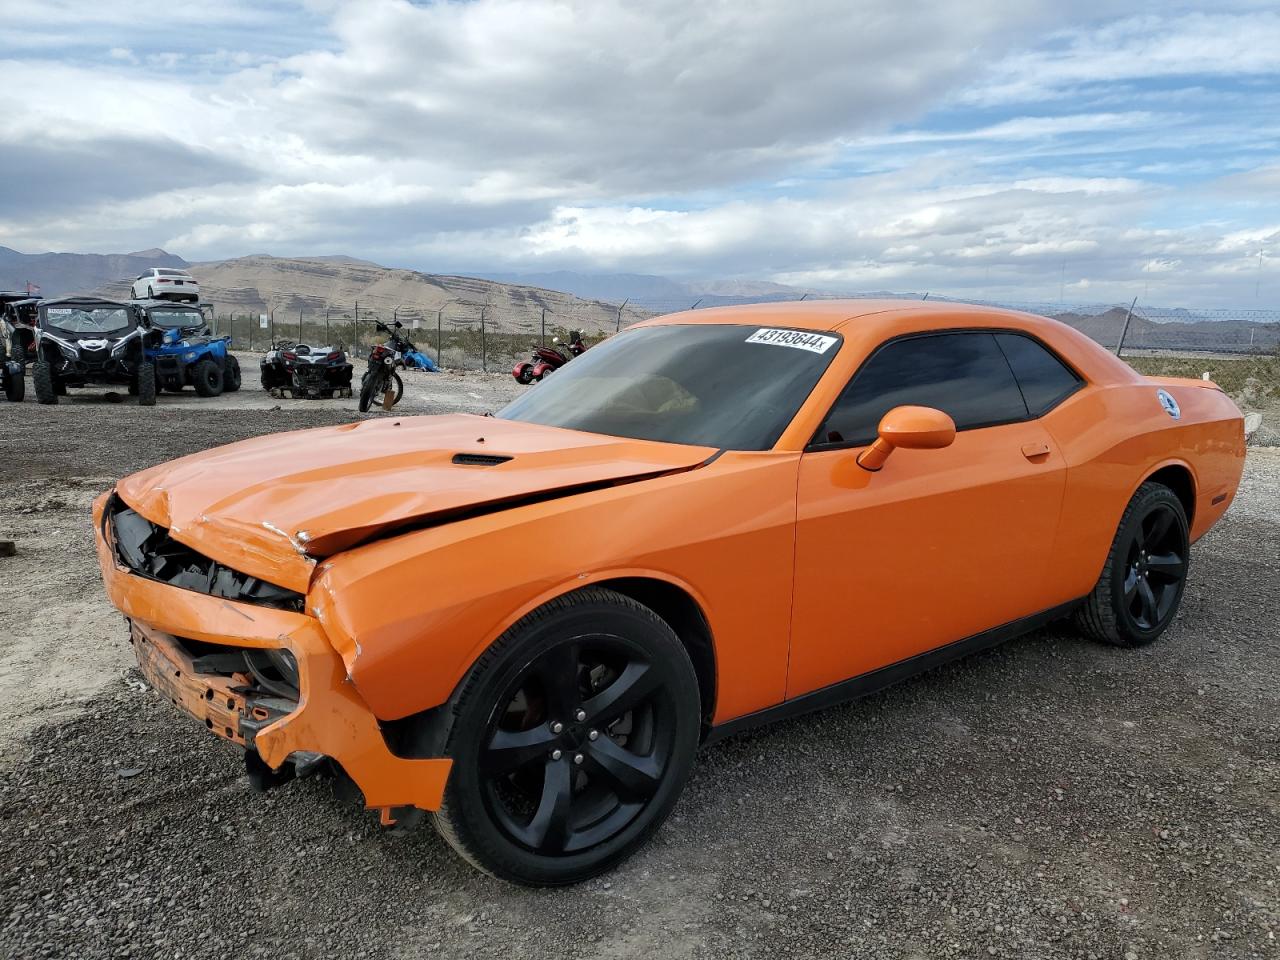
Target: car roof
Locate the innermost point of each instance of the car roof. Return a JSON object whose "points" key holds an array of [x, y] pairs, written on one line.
{"points": [[71, 301], [834, 315]]}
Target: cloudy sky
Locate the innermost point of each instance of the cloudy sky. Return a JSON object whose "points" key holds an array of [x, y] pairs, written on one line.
{"points": [[1033, 149]]}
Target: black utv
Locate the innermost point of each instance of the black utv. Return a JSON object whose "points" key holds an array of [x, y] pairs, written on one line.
{"points": [[82, 341]]}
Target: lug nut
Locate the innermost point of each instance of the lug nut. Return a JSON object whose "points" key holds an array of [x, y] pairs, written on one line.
{"points": [[593, 735], [577, 758], [581, 714], [557, 727], [556, 754]]}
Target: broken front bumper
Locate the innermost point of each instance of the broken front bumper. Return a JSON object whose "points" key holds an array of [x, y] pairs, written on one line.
{"points": [[329, 718]]}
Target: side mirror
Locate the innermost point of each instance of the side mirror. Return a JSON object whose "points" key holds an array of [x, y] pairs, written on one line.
{"points": [[912, 428], [172, 335]]}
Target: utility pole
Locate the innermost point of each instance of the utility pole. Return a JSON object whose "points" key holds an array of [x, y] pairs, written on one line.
{"points": [[300, 336], [271, 324], [1125, 329], [326, 327], [544, 326], [618, 323], [439, 342], [484, 350], [1062, 285]]}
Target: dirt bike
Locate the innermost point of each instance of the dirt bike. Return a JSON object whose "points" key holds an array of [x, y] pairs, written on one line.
{"points": [[381, 378]]}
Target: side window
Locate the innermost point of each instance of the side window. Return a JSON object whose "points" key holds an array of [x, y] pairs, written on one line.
{"points": [[963, 374], [1044, 379]]}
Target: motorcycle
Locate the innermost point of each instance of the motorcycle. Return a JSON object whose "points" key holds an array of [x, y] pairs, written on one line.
{"points": [[547, 359], [385, 359], [301, 370]]}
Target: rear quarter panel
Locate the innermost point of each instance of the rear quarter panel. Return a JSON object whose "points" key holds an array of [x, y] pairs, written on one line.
{"points": [[1115, 437]]}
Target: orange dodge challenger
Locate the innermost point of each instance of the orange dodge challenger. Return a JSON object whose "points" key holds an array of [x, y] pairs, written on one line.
{"points": [[527, 623]]}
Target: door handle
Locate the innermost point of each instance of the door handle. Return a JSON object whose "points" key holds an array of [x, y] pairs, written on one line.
{"points": [[1036, 450]]}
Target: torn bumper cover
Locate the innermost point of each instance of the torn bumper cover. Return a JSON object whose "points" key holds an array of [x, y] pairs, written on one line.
{"points": [[262, 676]]}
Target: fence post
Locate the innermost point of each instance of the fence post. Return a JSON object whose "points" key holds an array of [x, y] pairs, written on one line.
{"points": [[1125, 329], [484, 350]]}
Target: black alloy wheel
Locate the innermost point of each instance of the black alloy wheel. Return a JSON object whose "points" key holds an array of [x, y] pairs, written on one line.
{"points": [[572, 740], [1155, 567], [1145, 574]]}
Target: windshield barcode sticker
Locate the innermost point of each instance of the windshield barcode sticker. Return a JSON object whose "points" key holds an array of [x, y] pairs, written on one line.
{"points": [[814, 342]]}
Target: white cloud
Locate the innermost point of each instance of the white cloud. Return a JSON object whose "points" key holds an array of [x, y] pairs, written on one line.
{"points": [[811, 145]]}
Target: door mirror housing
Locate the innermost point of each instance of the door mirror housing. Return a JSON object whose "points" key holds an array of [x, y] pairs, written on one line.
{"points": [[912, 428]]}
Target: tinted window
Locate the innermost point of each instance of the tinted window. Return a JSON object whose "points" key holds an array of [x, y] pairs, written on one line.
{"points": [[1044, 378], [715, 385], [962, 374]]}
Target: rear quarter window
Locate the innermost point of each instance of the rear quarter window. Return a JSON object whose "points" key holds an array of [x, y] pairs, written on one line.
{"points": [[1045, 380]]}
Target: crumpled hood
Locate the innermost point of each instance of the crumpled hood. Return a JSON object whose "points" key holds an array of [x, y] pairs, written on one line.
{"points": [[271, 506]]}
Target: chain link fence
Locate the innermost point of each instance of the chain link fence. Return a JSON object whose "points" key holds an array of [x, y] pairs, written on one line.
{"points": [[478, 340]]}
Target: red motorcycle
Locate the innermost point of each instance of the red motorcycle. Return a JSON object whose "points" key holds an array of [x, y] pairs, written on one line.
{"points": [[546, 359]]}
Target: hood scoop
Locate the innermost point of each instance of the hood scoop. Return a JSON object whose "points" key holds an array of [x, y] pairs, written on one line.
{"points": [[480, 459]]}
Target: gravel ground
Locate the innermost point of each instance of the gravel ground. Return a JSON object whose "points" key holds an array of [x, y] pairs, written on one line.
{"points": [[1047, 799]]}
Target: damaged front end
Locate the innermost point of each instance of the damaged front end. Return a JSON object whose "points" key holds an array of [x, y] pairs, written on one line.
{"points": [[244, 658], [147, 549]]}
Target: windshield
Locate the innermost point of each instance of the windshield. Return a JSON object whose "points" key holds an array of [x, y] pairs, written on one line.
{"points": [[715, 385], [95, 321], [176, 319]]}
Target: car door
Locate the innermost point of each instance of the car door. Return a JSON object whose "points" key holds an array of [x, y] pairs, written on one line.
{"points": [[938, 545]]}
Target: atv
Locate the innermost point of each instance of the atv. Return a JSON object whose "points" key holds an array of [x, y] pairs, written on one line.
{"points": [[184, 351], [89, 340], [301, 370], [18, 325]]}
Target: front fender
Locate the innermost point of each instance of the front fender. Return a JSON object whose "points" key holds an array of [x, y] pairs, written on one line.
{"points": [[410, 614]]}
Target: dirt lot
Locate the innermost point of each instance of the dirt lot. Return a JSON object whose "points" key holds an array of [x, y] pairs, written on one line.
{"points": [[1047, 799]]}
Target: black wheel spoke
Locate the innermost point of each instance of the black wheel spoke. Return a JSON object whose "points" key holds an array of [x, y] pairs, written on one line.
{"points": [[549, 829], [634, 686], [509, 750], [1161, 521], [1130, 584], [558, 672], [1147, 600], [1167, 565], [631, 776]]}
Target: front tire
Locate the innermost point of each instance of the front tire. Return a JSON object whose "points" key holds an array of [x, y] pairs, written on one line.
{"points": [[146, 384], [1143, 579], [572, 738], [231, 379], [369, 389], [42, 380], [15, 385], [207, 378]]}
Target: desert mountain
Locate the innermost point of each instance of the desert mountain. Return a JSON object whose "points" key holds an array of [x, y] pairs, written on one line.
{"points": [[314, 285], [60, 274]]}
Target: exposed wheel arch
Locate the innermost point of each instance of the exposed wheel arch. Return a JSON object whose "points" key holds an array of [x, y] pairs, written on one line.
{"points": [[1178, 478]]}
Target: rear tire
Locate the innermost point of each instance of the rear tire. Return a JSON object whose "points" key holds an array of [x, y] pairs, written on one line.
{"points": [[207, 378], [42, 380], [1145, 573], [231, 378], [146, 385], [572, 738]]}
